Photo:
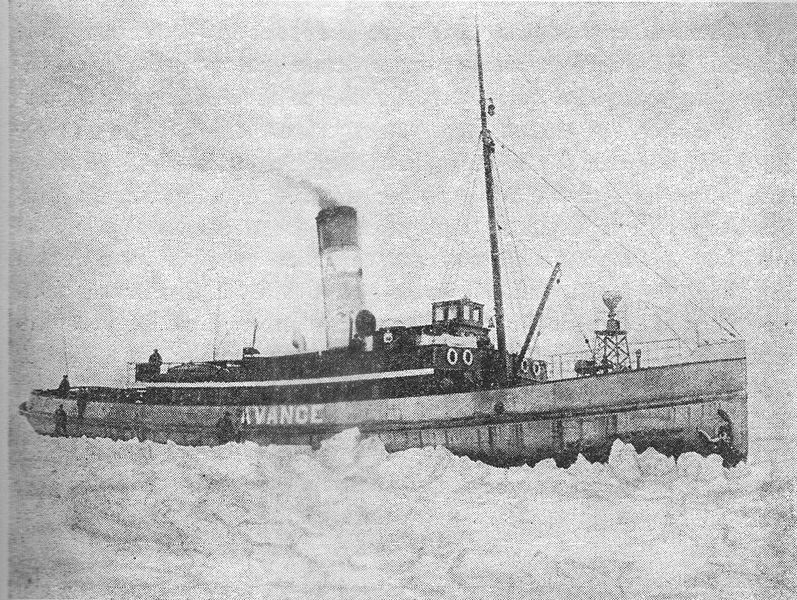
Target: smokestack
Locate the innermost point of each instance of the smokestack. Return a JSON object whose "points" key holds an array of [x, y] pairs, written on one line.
{"points": [[341, 271]]}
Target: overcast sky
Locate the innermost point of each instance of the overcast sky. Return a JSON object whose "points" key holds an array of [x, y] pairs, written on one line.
{"points": [[160, 154]]}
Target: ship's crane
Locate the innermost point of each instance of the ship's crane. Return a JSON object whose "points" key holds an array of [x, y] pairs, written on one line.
{"points": [[538, 315]]}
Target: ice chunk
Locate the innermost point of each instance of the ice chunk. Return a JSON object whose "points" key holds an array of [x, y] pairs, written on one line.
{"points": [[653, 463], [624, 462], [700, 468]]}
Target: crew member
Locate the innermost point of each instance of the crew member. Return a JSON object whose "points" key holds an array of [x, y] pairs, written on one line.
{"points": [[60, 421], [225, 429], [722, 443], [155, 358], [82, 401], [63, 387], [356, 343]]}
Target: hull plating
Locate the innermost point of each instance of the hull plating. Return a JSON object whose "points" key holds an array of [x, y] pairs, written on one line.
{"points": [[659, 407]]}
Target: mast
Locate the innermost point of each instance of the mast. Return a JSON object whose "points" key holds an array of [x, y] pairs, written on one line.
{"points": [[488, 147]]}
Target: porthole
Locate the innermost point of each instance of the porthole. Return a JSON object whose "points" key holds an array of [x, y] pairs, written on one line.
{"points": [[451, 356], [467, 357]]}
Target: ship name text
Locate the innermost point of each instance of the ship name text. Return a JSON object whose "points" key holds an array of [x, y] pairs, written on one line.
{"points": [[283, 414]]}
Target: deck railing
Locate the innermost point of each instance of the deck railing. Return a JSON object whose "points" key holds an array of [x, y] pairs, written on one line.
{"points": [[655, 353]]}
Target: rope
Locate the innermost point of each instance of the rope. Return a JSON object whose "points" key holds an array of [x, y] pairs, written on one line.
{"points": [[571, 299], [446, 266], [654, 237], [518, 306], [664, 322], [568, 296], [454, 273], [642, 107], [603, 230], [510, 231]]}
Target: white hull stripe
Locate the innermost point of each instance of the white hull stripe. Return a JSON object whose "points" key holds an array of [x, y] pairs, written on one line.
{"points": [[287, 382]]}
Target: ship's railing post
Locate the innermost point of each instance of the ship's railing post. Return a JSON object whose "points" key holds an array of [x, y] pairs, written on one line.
{"points": [[656, 353]]}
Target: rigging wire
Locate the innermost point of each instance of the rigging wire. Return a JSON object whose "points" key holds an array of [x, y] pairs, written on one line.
{"points": [[452, 271], [568, 296], [509, 235], [618, 196], [510, 232], [652, 235], [66, 352], [592, 285], [664, 322], [444, 278], [731, 326], [603, 230], [571, 299]]}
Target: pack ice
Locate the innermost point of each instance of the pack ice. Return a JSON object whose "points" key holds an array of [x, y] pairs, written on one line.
{"points": [[98, 518]]}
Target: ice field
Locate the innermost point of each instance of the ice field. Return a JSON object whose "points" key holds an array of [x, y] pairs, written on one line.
{"points": [[98, 518]]}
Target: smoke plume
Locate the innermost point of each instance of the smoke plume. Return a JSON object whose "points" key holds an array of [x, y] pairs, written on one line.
{"points": [[219, 160], [325, 199]]}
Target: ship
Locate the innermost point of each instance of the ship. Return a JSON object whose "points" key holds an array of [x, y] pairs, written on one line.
{"points": [[445, 383]]}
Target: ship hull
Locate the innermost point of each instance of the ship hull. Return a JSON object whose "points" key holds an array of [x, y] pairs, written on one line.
{"points": [[658, 407]]}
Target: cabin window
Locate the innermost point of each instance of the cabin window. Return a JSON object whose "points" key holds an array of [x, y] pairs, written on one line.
{"points": [[468, 313], [452, 312], [477, 314], [439, 313]]}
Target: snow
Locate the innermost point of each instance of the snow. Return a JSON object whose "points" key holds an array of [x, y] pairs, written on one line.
{"points": [[98, 518]]}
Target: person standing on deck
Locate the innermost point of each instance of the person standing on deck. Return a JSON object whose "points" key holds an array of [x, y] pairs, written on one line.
{"points": [[225, 429], [82, 402], [155, 362], [155, 359], [60, 421]]}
